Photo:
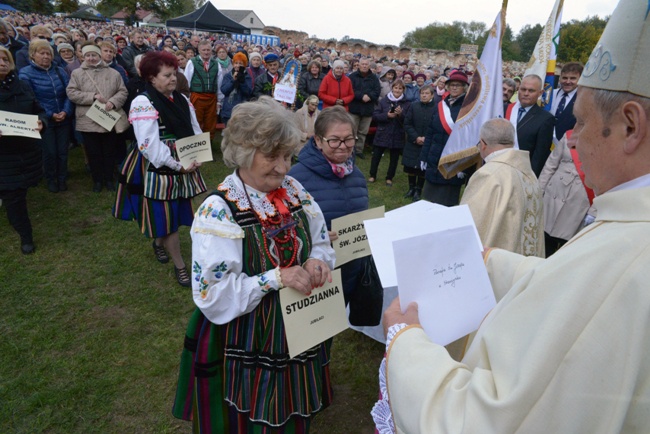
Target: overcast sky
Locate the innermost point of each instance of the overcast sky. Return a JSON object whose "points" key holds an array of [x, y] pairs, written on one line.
{"points": [[386, 22]]}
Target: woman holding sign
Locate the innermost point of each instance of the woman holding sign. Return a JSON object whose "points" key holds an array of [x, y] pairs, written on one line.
{"points": [[96, 82], [154, 188], [326, 168], [21, 163], [260, 231]]}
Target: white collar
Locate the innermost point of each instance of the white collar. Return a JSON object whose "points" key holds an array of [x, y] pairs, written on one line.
{"points": [[496, 154], [641, 181]]}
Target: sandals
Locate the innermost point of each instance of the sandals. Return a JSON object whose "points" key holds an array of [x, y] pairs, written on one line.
{"points": [[160, 253], [183, 277]]}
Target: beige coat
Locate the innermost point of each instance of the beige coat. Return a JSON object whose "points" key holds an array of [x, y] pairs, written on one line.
{"points": [[565, 198], [306, 124], [566, 349], [506, 204], [85, 82]]}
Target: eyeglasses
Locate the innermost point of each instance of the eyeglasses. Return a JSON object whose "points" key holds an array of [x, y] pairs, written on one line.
{"points": [[455, 84], [336, 143], [44, 37]]}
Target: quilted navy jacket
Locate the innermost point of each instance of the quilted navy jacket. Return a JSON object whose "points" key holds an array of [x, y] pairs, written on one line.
{"points": [[335, 196], [49, 87]]}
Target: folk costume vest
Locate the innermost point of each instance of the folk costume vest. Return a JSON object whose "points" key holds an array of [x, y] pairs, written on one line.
{"points": [[202, 81]]}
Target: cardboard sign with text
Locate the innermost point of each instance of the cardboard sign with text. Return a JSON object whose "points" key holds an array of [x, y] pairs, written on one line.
{"points": [[106, 119], [194, 148], [311, 319], [16, 124], [353, 242]]}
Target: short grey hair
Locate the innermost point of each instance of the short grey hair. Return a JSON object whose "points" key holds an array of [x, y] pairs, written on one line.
{"points": [[262, 125], [137, 60], [510, 83], [536, 77], [608, 101], [311, 98], [498, 131], [338, 63], [330, 116]]}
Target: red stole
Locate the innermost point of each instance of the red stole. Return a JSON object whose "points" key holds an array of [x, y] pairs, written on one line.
{"points": [[581, 173], [509, 110], [445, 116]]}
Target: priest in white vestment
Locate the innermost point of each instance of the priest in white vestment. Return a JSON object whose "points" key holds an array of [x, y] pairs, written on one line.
{"points": [[504, 195], [567, 347]]}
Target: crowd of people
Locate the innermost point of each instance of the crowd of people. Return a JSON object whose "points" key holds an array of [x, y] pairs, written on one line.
{"points": [[268, 224]]}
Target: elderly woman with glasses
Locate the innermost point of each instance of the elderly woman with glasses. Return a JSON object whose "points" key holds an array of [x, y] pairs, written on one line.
{"points": [[326, 169], [258, 232]]}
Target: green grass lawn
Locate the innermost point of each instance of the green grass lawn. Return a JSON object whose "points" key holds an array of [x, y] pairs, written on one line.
{"points": [[92, 326]]}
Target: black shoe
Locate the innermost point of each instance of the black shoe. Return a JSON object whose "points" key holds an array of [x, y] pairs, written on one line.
{"points": [[52, 187], [183, 277], [97, 187], [160, 253], [110, 186], [63, 186], [28, 248], [416, 195], [360, 155], [410, 193]]}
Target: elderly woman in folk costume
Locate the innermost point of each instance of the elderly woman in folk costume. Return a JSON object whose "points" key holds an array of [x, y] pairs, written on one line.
{"points": [[437, 189], [257, 233], [155, 189]]}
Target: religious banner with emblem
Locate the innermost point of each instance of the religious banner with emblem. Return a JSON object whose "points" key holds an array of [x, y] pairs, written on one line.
{"points": [[286, 88]]}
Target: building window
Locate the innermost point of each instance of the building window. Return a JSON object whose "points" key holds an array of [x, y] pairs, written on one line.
{"points": [[251, 20]]}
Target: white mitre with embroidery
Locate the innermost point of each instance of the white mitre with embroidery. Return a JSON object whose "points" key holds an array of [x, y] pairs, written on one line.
{"points": [[621, 59]]}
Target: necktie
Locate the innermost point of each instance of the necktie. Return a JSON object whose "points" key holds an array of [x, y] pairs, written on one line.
{"points": [[560, 106], [522, 111], [206, 66]]}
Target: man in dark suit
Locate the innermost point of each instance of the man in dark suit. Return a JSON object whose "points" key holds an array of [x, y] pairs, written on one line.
{"points": [[564, 97], [534, 124]]}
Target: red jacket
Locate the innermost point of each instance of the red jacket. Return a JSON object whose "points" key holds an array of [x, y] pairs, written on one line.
{"points": [[332, 89]]}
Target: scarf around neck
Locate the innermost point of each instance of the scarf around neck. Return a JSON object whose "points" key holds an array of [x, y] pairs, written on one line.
{"points": [[225, 63], [392, 97], [175, 115]]}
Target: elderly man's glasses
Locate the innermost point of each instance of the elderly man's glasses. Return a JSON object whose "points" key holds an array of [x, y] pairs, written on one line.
{"points": [[336, 143]]}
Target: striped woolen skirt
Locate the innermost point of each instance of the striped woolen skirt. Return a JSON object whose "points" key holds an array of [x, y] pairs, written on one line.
{"points": [[159, 201], [231, 383]]}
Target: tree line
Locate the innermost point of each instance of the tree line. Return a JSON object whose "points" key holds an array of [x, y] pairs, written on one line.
{"points": [[577, 38], [163, 8]]}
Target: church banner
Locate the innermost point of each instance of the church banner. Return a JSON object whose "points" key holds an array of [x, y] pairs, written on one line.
{"points": [[312, 319], [484, 101], [286, 88]]}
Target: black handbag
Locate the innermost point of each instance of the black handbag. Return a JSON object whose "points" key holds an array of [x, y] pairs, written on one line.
{"points": [[367, 299]]}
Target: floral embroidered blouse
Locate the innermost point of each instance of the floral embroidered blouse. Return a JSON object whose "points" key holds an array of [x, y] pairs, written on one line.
{"points": [[219, 287], [144, 118]]}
